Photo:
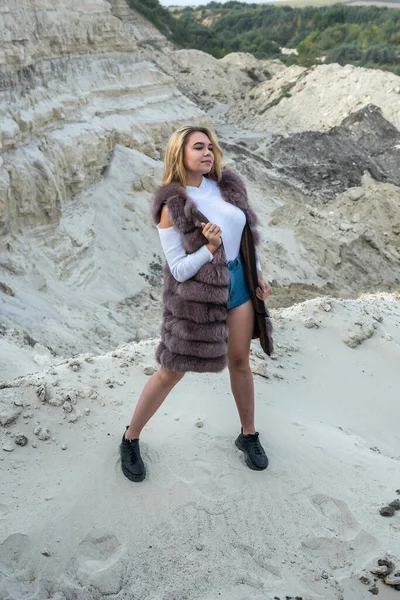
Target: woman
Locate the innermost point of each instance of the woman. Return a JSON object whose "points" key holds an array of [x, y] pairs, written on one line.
{"points": [[208, 313]]}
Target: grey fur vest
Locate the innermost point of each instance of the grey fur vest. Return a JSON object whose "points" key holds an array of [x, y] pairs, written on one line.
{"points": [[194, 332]]}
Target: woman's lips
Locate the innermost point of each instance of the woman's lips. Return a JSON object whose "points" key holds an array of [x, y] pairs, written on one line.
{"points": [[207, 162]]}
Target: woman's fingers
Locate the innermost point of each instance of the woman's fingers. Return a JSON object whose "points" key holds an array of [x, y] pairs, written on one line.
{"points": [[264, 291], [211, 230]]}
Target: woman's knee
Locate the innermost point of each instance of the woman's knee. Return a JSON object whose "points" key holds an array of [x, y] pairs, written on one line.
{"points": [[239, 362], [169, 377]]}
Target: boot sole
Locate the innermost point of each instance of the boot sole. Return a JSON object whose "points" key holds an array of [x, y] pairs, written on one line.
{"points": [[132, 477], [247, 459]]}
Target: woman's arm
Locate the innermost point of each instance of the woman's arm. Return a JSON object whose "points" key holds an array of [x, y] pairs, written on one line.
{"points": [[183, 266]]}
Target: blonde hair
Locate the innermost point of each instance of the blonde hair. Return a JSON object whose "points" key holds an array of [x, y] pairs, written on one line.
{"points": [[174, 169]]}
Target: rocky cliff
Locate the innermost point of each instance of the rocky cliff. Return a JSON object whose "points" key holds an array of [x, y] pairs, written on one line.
{"points": [[90, 92]]}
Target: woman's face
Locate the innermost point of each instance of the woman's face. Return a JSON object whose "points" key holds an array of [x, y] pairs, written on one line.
{"points": [[198, 156]]}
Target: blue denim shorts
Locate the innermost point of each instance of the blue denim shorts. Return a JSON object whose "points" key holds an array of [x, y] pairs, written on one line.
{"points": [[238, 290]]}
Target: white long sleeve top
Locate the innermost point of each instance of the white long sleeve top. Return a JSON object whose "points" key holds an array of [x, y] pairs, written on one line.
{"points": [[207, 198]]}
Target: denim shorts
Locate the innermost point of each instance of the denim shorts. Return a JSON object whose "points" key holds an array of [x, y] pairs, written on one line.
{"points": [[238, 290]]}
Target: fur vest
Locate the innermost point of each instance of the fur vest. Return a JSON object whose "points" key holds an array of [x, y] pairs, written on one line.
{"points": [[194, 332]]}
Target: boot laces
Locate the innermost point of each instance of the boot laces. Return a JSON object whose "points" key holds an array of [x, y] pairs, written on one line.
{"points": [[255, 441], [133, 449]]}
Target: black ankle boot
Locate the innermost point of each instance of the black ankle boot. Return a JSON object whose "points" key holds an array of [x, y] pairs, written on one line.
{"points": [[131, 461], [254, 454]]}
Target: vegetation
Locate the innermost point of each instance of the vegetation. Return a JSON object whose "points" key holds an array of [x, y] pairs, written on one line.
{"points": [[360, 35]]}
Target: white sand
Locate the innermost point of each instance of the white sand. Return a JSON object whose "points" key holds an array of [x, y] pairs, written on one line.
{"points": [[202, 525]]}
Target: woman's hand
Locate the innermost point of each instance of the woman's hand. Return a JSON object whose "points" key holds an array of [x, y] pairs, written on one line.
{"points": [[213, 234], [264, 289]]}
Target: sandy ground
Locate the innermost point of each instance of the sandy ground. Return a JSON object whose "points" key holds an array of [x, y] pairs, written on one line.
{"points": [[202, 525]]}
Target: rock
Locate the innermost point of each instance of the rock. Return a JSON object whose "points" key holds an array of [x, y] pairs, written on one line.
{"points": [[156, 296], [149, 370], [41, 392], [357, 338], [395, 504], [365, 580], [57, 400], [380, 571], [45, 552], [10, 406], [64, 447], [21, 440], [387, 563], [261, 369], [345, 227], [199, 424], [6, 289], [199, 547], [309, 323], [355, 193], [393, 581], [37, 429], [387, 511], [67, 407], [74, 364], [374, 590], [87, 411], [44, 434], [8, 448], [324, 575], [73, 419]]}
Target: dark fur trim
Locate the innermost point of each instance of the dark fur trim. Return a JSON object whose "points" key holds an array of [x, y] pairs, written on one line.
{"points": [[190, 348], [197, 312], [203, 292], [182, 364], [187, 330], [216, 274]]}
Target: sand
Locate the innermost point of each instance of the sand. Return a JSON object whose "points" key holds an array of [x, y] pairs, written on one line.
{"points": [[202, 525]]}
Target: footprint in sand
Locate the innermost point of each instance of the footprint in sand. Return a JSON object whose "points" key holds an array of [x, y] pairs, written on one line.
{"points": [[99, 563], [347, 544], [16, 567], [213, 467], [299, 426], [255, 561], [149, 454], [183, 524], [220, 488], [337, 512], [15, 556], [4, 511]]}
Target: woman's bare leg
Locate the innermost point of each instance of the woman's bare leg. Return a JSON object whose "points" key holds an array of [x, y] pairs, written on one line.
{"points": [[240, 327], [153, 395]]}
